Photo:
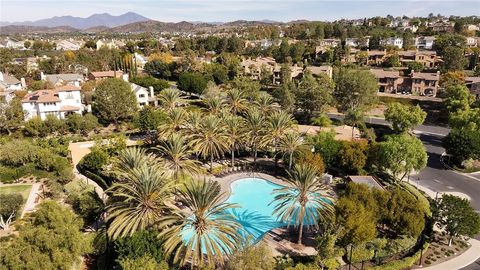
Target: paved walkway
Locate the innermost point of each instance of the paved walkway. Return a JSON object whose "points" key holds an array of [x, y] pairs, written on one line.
{"points": [[466, 258], [32, 200]]}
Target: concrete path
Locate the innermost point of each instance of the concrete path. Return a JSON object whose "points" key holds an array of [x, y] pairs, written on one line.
{"points": [[32, 200], [466, 258]]}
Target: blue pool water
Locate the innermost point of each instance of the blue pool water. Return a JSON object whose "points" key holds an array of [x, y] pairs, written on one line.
{"points": [[254, 196]]}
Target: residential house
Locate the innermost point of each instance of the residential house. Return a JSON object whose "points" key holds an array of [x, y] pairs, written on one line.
{"points": [[393, 41], [295, 73], [357, 42], [63, 79], [442, 26], [10, 83], [140, 60], [473, 84], [428, 59], [316, 71], [376, 57], [6, 96], [472, 27], [14, 44], [59, 102], [111, 44], [472, 41], [425, 84], [388, 81], [328, 43], [425, 43], [68, 45], [253, 67], [99, 75], [145, 96]]}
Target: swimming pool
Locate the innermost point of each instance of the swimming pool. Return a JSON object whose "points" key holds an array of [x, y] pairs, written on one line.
{"points": [[254, 196]]}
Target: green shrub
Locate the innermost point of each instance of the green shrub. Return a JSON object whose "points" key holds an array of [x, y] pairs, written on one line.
{"points": [[94, 161], [140, 244], [322, 121], [11, 202]]}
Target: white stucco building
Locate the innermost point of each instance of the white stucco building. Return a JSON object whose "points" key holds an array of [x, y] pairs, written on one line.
{"points": [[145, 96], [60, 102]]}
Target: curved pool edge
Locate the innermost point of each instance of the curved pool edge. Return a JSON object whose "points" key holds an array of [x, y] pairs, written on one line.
{"points": [[227, 181]]}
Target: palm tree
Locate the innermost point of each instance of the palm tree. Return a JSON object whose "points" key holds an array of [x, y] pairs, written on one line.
{"points": [[236, 100], [255, 125], [204, 230], [138, 202], [265, 102], [192, 123], [291, 143], [176, 155], [170, 98], [131, 158], [211, 140], [173, 123], [235, 129], [214, 104], [302, 202], [278, 123]]}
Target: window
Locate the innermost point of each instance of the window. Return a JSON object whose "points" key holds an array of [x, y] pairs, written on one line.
{"points": [[141, 95], [69, 95]]}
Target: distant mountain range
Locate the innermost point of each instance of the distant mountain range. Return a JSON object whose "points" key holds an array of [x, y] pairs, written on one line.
{"points": [[95, 20], [105, 23]]}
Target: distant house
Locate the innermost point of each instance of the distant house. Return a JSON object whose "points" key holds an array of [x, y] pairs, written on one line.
{"points": [[63, 79], [145, 96], [472, 41], [425, 43], [329, 42], [366, 180], [425, 84], [473, 84], [10, 83], [295, 73], [393, 41], [417, 83], [6, 96], [357, 42], [59, 102], [428, 59], [68, 45], [99, 75], [253, 67], [316, 71], [111, 44], [375, 57]]}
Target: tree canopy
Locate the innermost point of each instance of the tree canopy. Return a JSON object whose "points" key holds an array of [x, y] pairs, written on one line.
{"points": [[114, 101]]}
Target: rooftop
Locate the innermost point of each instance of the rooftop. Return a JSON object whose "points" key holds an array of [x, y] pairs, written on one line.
{"points": [[365, 179]]}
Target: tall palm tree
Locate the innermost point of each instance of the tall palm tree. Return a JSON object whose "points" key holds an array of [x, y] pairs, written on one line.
{"points": [[176, 155], [214, 104], [255, 125], [204, 230], [138, 202], [194, 118], [211, 140], [291, 143], [265, 102], [235, 129], [173, 123], [278, 123], [303, 202], [236, 100], [170, 98]]}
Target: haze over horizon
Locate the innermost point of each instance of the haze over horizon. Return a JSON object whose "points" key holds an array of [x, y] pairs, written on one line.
{"points": [[231, 10]]}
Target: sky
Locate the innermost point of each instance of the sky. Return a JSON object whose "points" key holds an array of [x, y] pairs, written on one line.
{"points": [[230, 10]]}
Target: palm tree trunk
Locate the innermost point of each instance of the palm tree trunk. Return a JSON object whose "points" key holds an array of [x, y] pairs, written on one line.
{"points": [[300, 232], [254, 154], [211, 163], [290, 161], [233, 156]]}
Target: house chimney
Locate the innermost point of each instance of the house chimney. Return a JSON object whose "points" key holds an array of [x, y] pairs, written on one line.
{"points": [[1, 76], [125, 77], [151, 91], [42, 76], [22, 81]]}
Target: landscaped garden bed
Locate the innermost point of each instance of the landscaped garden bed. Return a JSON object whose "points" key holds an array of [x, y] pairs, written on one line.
{"points": [[439, 251]]}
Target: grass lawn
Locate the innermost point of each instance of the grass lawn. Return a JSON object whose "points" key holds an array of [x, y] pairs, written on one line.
{"points": [[23, 189]]}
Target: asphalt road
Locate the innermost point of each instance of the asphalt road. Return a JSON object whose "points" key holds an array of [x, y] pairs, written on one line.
{"points": [[435, 176]]}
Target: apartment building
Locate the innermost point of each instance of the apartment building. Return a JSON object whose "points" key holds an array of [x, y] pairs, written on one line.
{"points": [[428, 59], [416, 83]]}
